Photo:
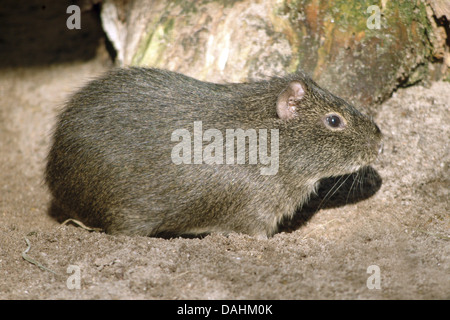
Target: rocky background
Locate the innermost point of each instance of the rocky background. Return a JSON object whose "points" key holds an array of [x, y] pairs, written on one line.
{"points": [[361, 50]]}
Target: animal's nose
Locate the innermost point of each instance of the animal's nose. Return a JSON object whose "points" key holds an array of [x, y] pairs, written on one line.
{"points": [[380, 147], [376, 145]]}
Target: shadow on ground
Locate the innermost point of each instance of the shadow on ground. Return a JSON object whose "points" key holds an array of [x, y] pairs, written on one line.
{"points": [[336, 192]]}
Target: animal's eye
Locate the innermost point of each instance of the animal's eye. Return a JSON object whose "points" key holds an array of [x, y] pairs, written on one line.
{"points": [[334, 121]]}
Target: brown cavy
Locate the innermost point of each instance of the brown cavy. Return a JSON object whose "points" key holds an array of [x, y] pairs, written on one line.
{"points": [[151, 152]]}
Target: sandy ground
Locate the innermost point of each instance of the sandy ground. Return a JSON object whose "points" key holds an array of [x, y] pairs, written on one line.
{"points": [[398, 220]]}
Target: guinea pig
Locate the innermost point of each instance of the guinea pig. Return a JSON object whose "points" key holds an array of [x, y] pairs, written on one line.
{"points": [[143, 151]]}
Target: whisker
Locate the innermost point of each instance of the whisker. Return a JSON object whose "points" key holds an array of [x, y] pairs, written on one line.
{"points": [[326, 198], [351, 187], [365, 172]]}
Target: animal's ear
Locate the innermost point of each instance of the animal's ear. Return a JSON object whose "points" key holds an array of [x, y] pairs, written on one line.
{"points": [[288, 100]]}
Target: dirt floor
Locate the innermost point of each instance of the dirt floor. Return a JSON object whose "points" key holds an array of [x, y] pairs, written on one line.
{"points": [[399, 223]]}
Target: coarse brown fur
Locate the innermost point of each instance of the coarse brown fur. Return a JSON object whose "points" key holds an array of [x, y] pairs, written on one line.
{"points": [[110, 164]]}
